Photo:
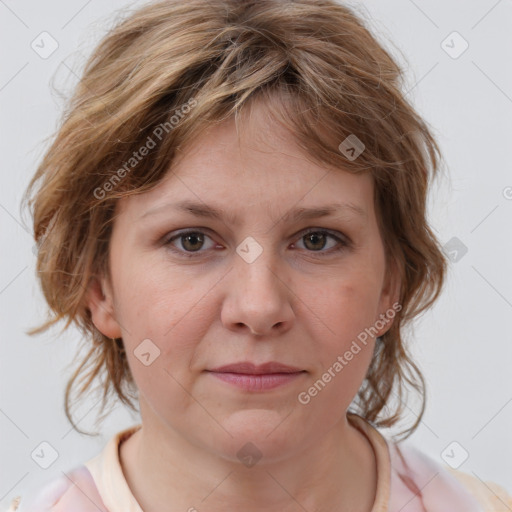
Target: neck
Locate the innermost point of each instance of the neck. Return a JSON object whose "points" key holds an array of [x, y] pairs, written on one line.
{"points": [[164, 472]]}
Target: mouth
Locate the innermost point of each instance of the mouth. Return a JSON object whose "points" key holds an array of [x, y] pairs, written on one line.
{"points": [[250, 377]]}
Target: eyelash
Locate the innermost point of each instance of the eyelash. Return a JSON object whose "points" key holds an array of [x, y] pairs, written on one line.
{"points": [[343, 243]]}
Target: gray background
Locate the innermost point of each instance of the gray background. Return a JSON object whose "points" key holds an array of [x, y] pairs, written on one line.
{"points": [[463, 345]]}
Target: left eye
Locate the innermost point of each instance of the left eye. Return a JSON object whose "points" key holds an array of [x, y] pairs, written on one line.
{"points": [[317, 240]]}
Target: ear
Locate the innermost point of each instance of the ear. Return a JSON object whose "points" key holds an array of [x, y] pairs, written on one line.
{"points": [[99, 300], [390, 295]]}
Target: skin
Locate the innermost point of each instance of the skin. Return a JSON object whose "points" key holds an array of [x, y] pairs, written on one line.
{"points": [[300, 303]]}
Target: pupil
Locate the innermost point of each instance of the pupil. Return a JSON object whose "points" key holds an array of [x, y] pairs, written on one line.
{"points": [[315, 237], [192, 236]]}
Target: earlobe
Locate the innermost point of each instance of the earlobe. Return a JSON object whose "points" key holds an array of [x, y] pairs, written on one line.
{"points": [[100, 302]]}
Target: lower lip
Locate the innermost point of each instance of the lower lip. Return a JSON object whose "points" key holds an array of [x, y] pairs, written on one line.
{"points": [[257, 382]]}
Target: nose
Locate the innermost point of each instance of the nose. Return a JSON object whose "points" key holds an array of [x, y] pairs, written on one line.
{"points": [[258, 300]]}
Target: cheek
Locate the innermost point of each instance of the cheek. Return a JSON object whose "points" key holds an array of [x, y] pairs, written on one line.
{"points": [[343, 345], [346, 302], [163, 319], [156, 299], [341, 313]]}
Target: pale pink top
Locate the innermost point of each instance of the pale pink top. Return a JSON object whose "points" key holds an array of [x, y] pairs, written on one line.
{"points": [[407, 481]]}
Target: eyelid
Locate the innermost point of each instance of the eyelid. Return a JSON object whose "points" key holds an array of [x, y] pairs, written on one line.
{"points": [[343, 240]]}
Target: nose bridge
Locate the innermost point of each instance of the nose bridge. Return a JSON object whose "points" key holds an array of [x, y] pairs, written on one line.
{"points": [[257, 264]]}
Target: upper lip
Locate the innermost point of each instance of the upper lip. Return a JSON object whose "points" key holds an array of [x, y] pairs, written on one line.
{"points": [[249, 368]]}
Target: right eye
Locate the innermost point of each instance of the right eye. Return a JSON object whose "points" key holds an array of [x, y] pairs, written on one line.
{"points": [[191, 241]]}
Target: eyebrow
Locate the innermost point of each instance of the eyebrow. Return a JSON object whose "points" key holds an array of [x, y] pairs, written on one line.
{"points": [[211, 212]]}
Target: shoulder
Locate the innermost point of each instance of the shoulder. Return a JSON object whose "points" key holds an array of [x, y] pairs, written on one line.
{"points": [[436, 485], [74, 491], [492, 496]]}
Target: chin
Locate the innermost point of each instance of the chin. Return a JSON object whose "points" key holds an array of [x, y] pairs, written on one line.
{"points": [[264, 434]]}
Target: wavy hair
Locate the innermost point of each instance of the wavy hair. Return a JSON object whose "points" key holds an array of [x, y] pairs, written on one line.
{"points": [[325, 76]]}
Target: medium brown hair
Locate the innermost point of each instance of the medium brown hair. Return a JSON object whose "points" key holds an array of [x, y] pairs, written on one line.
{"points": [[325, 76]]}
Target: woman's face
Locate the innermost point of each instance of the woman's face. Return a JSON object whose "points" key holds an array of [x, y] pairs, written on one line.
{"points": [[250, 285]]}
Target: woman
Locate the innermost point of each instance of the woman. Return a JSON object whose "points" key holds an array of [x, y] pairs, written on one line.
{"points": [[234, 213]]}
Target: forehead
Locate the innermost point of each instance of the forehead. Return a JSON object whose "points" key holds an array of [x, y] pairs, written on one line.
{"points": [[252, 165]]}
